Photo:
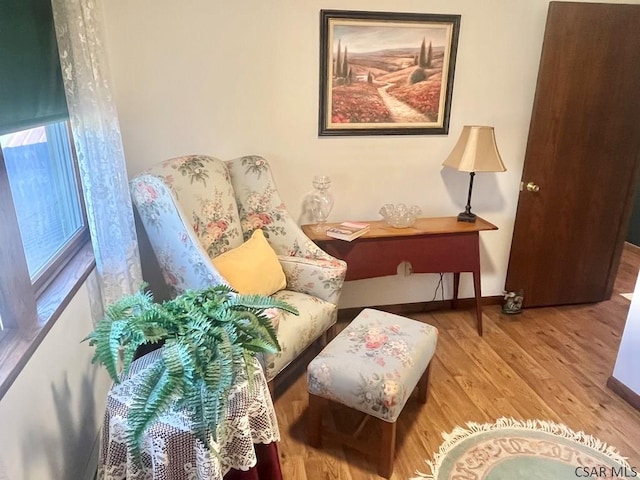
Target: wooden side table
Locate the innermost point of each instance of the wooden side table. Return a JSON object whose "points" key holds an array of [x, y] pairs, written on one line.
{"points": [[431, 245]]}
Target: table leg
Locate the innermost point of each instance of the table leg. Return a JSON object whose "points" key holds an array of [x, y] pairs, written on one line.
{"points": [[476, 287], [456, 285]]}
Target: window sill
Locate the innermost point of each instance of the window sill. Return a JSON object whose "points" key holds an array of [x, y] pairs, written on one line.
{"points": [[17, 346]]}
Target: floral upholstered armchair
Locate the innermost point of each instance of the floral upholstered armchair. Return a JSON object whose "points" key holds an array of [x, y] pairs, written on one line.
{"points": [[196, 208]]}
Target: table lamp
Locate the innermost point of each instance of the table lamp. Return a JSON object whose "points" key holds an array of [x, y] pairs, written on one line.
{"points": [[476, 151]]}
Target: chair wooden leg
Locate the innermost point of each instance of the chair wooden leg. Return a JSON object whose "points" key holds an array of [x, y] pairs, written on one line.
{"points": [[423, 385], [329, 335], [272, 388], [314, 420], [332, 332], [387, 449]]}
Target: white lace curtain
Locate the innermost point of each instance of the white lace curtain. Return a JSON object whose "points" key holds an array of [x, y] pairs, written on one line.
{"points": [[96, 132]]}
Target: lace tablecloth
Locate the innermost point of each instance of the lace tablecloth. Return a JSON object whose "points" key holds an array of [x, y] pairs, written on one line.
{"points": [[170, 449]]}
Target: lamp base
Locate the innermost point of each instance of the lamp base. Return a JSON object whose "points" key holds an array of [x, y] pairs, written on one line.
{"points": [[467, 217]]}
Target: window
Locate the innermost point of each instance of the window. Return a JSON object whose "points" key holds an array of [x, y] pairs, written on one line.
{"points": [[44, 189], [39, 170], [45, 254], [43, 228]]}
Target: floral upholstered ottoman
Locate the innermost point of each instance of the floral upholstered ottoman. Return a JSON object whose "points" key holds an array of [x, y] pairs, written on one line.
{"points": [[372, 366]]}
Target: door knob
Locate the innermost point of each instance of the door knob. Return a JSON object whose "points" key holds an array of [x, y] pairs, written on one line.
{"points": [[532, 187]]}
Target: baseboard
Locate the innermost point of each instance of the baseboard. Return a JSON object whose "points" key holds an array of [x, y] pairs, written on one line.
{"points": [[345, 314], [624, 392], [91, 470]]}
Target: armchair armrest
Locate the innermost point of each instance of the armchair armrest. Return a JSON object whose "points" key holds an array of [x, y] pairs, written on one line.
{"points": [[322, 278]]}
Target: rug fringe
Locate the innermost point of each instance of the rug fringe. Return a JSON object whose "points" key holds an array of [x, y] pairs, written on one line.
{"points": [[547, 426]]}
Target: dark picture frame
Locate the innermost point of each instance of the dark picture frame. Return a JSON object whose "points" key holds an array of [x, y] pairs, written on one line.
{"points": [[384, 73]]}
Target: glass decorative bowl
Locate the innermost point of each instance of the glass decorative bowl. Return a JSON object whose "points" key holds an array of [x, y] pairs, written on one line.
{"points": [[399, 215]]}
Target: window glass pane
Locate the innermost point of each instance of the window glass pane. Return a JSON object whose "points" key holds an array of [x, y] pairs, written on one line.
{"points": [[40, 168]]}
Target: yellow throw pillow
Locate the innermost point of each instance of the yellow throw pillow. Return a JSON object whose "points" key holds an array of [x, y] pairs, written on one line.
{"points": [[253, 267]]}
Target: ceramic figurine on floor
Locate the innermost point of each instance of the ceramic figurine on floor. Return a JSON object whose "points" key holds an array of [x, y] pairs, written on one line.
{"points": [[513, 302]]}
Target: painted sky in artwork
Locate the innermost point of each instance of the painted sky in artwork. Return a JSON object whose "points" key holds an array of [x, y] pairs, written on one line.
{"points": [[370, 38]]}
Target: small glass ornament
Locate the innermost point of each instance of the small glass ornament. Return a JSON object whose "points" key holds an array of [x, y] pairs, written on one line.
{"points": [[321, 201]]}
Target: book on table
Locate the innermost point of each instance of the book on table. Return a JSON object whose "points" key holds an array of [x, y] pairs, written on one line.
{"points": [[348, 230]]}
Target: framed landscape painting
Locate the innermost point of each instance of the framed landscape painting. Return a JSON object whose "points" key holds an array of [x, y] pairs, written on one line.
{"points": [[386, 73]]}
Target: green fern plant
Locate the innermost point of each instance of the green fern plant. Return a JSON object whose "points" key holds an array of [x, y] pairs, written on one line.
{"points": [[210, 336]]}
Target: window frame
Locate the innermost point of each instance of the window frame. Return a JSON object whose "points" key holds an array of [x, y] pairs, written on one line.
{"points": [[29, 309]]}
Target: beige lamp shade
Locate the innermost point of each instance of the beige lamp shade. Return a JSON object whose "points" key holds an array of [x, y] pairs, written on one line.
{"points": [[476, 151]]}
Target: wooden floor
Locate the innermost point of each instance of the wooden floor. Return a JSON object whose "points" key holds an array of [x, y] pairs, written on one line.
{"points": [[546, 363]]}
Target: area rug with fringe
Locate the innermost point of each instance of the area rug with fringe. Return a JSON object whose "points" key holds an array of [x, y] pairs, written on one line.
{"points": [[531, 449]]}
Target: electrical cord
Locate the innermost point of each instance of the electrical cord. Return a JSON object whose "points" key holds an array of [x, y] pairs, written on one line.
{"points": [[439, 286]]}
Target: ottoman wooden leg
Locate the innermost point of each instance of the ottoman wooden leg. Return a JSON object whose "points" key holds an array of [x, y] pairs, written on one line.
{"points": [[423, 385], [387, 449], [314, 420]]}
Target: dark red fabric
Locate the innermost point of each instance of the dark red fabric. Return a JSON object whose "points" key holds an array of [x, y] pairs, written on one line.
{"points": [[267, 468]]}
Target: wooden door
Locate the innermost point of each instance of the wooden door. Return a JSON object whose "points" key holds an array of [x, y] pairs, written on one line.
{"points": [[582, 154]]}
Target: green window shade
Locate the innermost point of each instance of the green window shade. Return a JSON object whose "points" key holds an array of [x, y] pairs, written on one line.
{"points": [[31, 88]]}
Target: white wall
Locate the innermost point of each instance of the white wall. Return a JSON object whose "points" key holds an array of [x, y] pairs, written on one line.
{"points": [[626, 368], [235, 78], [50, 417]]}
